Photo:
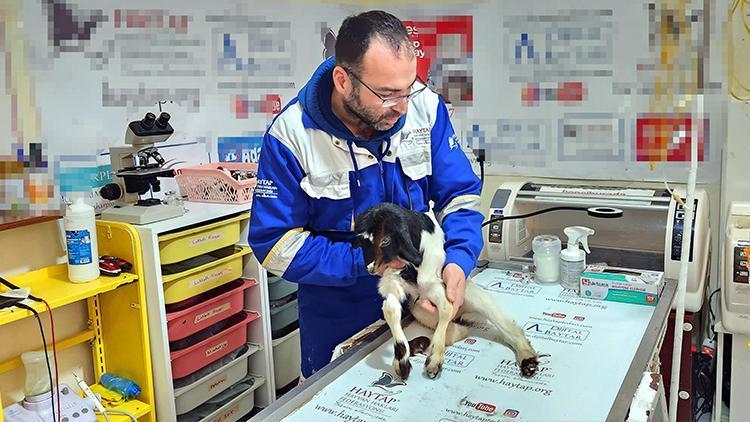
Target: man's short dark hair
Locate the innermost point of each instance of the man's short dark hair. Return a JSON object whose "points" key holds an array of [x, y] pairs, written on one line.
{"points": [[358, 31]]}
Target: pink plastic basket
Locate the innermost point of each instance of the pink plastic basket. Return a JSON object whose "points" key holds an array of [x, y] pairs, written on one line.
{"points": [[214, 306], [206, 183], [208, 351]]}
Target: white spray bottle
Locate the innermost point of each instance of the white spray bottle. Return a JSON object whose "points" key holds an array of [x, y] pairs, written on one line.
{"points": [[573, 259]]}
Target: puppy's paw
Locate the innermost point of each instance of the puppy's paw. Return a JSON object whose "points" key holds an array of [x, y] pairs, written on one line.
{"points": [[433, 367], [402, 368], [529, 366]]}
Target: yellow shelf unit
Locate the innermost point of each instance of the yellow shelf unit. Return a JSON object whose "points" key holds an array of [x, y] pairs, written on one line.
{"points": [[117, 320], [52, 285]]}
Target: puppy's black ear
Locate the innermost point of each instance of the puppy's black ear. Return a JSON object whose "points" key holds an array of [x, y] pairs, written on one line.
{"points": [[363, 221], [407, 251]]}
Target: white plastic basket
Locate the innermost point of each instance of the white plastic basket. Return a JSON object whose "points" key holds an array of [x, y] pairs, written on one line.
{"points": [[207, 183]]}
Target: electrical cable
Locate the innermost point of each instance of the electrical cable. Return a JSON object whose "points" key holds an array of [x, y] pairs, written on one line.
{"points": [[119, 412], [479, 154], [711, 311], [481, 172], [46, 356], [704, 386], [531, 214], [54, 354], [10, 285]]}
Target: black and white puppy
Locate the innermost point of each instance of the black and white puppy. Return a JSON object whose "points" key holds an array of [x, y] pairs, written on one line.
{"points": [[387, 232]]}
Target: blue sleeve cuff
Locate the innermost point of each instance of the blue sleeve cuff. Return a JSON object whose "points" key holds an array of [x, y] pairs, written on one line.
{"points": [[461, 259]]}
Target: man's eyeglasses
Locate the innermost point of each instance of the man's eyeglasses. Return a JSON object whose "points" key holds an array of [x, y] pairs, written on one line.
{"points": [[416, 87]]}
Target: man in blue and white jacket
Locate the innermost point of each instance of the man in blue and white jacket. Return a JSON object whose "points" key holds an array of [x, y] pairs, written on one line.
{"points": [[364, 130]]}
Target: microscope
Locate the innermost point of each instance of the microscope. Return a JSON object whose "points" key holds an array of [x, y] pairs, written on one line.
{"points": [[138, 168]]}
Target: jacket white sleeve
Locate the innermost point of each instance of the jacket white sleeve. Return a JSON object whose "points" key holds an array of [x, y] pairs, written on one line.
{"points": [[278, 226], [455, 190]]}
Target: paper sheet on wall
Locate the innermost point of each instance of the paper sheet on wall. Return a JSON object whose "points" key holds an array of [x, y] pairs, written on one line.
{"points": [[590, 343]]}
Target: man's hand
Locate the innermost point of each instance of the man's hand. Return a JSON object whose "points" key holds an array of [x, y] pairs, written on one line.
{"points": [[455, 286]]}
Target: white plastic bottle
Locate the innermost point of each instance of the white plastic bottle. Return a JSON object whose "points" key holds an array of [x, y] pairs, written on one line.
{"points": [[573, 259], [546, 249], [80, 237]]}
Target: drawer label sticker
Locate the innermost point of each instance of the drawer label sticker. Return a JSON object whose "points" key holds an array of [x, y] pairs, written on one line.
{"points": [[212, 313], [218, 382], [210, 277], [205, 238], [221, 346], [229, 414]]}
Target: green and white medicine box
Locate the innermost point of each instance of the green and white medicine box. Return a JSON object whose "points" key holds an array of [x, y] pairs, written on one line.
{"points": [[622, 285]]}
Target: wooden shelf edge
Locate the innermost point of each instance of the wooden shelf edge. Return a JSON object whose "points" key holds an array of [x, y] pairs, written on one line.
{"points": [[7, 223]]}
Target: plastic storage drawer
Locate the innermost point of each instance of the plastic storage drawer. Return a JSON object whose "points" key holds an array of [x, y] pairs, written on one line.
{"points": [[197, 393], [279, 288], [185, 244], [195, 357], [225, 268], [287, 359], [284, 315], [212, 306], [237, 401]]}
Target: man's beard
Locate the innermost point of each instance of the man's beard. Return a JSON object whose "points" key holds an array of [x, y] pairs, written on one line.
{"points": [[354, 106]]}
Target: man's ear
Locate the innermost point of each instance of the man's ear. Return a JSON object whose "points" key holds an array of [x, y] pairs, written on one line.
{"points": [[407, 251], [341, 81]]}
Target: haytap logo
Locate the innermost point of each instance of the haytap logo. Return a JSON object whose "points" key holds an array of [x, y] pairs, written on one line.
{"points": [[386, 382]]}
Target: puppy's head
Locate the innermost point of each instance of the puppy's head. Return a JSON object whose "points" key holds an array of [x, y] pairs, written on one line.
{"points": [[384, 235]]}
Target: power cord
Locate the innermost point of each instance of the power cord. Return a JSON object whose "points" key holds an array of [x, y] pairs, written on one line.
{"points": [[704, 385], [10, 285], [479, 153], [531, 214], [711, 311], [704, 371], [119, 412], [46, 357], [54, 352]]}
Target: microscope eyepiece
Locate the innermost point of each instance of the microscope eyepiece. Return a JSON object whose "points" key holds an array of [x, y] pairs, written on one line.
{"points": [[163, 120], [148, 121]]}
